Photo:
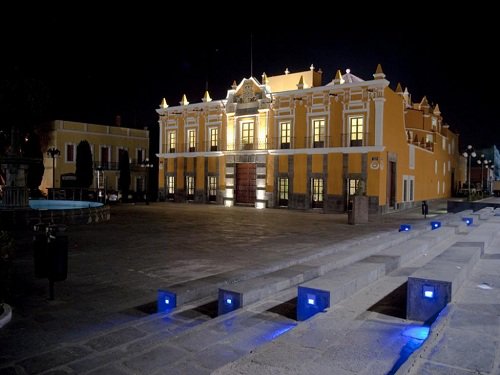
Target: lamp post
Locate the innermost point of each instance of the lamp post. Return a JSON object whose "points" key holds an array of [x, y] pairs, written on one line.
{"points": [[53, 152], [469, 153], [484, 164], [146, 164], [489, 172]]}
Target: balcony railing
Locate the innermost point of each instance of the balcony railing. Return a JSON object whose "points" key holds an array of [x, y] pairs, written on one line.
{"points": [[354, 140], [113, 166], [277, 143]]}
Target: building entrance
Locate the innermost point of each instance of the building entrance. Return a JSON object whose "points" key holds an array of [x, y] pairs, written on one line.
{"points": [[245, 183]]}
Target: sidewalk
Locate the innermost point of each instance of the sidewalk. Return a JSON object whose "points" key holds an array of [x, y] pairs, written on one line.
{"points": [[169, 244]]}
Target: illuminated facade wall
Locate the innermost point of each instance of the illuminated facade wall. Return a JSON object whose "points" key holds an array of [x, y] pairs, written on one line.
{"points": [[106, 143], [289, 141]]}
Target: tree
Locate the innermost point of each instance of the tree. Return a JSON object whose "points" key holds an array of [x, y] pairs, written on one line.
{"points": [[84, 170], [24, 103], [31, 148], [124, 180]]}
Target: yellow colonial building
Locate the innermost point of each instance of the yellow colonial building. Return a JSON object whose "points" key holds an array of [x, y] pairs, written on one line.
{"points": [[106, 144], [290, 141]]}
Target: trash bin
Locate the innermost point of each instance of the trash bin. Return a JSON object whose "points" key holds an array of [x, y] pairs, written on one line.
{"points": [[40, 256], [57, 253]]}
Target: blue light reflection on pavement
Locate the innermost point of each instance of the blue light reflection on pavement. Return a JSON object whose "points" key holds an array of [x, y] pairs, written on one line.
{"points": [[417, 336]]}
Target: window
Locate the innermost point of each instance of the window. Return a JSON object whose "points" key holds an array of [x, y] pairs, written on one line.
{"points": [[434, 122], [214, 139], [353, 186], [356, 124], [170, 187], [121, 151], [318, 129], [247, 135], [285, 134], [190, 188], [412, 157], [171, 141], [283, 191], [105, 157], [70, 153], [429, 138], [408, 188], [192, 140], [212, 188], [317, 192], [139, 155], [444, 144]]}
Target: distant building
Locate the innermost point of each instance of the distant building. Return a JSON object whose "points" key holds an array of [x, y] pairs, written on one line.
{"points": [[289, 141], [106, 143]]}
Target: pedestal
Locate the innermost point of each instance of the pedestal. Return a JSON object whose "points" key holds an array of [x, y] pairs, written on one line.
{"points": [[358, 210]]}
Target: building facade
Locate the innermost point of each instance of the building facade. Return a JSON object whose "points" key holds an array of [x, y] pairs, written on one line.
{"points": [[290, 141], [106, 144]]}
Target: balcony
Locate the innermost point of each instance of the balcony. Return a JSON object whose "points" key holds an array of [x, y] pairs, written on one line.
{"points": [[317, 142], [355, 140]]}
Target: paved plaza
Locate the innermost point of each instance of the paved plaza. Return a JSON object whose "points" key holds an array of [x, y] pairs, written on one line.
{"points": [[103, 318]]}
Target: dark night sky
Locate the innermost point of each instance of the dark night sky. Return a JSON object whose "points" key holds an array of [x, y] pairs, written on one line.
{"points": [[115, 64]]}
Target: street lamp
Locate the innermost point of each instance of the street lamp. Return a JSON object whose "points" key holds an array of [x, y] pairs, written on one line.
{"points": [[469, 153], [489, 172], [484, 163], [146, 164], [53, 152]]}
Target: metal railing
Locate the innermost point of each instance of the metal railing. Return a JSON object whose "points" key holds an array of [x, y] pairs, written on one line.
{"points": [[352, 140], [275, 143]]}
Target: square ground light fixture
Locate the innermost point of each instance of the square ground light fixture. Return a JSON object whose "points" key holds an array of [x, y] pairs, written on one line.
{"points": [[468, 220], [426, 298], [435, 225], [311, 301], [228, 301], [404, 227], [166, 300]]}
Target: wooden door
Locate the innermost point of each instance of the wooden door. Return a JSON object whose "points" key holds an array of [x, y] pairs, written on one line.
{"points": [[245, 183]]}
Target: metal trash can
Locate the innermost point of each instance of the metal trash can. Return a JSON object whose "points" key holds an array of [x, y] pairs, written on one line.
{"points": [[57, 253], [40, 256]]}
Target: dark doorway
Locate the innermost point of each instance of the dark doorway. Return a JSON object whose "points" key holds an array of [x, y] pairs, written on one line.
{"points": [[245, 183], [391, 184]]}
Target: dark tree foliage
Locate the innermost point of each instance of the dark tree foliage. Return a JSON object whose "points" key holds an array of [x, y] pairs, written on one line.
{"points": [[84, 170], [24, 104], [124, 180], [31, 148]]}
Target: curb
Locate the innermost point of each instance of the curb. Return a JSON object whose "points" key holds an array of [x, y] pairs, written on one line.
{"points": [[6, 315]]}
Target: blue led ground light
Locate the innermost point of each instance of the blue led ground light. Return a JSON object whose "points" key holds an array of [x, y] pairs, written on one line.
{"points": [[228, 301], [404, 227], [468, 220], [311, 301], [435, 225], [428, 291], [166, 300]]}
